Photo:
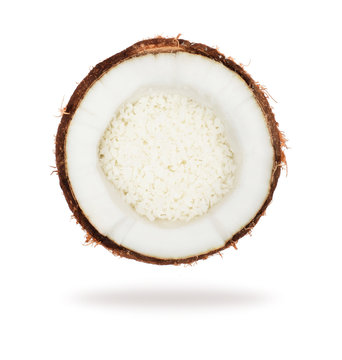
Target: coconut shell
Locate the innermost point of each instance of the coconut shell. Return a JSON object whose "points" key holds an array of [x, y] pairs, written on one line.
{"points": [[152, 46]]}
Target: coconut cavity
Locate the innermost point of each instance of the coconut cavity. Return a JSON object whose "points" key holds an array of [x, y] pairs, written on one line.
{"points": [[168, 156]]}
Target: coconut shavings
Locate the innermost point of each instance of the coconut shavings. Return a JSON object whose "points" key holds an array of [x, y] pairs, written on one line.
{"points": [[168, 155]]}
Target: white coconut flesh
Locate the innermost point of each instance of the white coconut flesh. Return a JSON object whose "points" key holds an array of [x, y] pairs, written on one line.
{"points": [[185, 90], [168, 155]]}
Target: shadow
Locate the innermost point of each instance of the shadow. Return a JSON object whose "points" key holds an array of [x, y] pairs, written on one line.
{"points": [[176, 298]]}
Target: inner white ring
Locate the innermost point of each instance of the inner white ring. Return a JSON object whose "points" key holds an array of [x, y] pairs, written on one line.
{"points": [[247, 132]]}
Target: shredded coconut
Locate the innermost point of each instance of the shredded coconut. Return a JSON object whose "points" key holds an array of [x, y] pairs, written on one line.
{"points": [[168, 155]]}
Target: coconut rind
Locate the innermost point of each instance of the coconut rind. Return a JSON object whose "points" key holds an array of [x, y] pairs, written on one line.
{"points": [[150, 46]]}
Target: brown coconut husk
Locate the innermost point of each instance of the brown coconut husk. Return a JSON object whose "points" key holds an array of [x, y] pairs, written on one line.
{"points": [[153, 46]]}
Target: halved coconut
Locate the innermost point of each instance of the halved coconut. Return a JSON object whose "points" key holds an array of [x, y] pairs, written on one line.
{"points": [[168, 152]]}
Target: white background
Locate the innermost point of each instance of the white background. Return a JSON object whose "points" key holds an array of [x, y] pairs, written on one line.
{"points": [[278, 297]]}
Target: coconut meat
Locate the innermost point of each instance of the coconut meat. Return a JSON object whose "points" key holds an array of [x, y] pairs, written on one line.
{"points": [[207, 82], [168, 156]]}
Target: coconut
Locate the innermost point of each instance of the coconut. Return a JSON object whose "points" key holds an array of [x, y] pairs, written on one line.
{"points": [[168, 152]]}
